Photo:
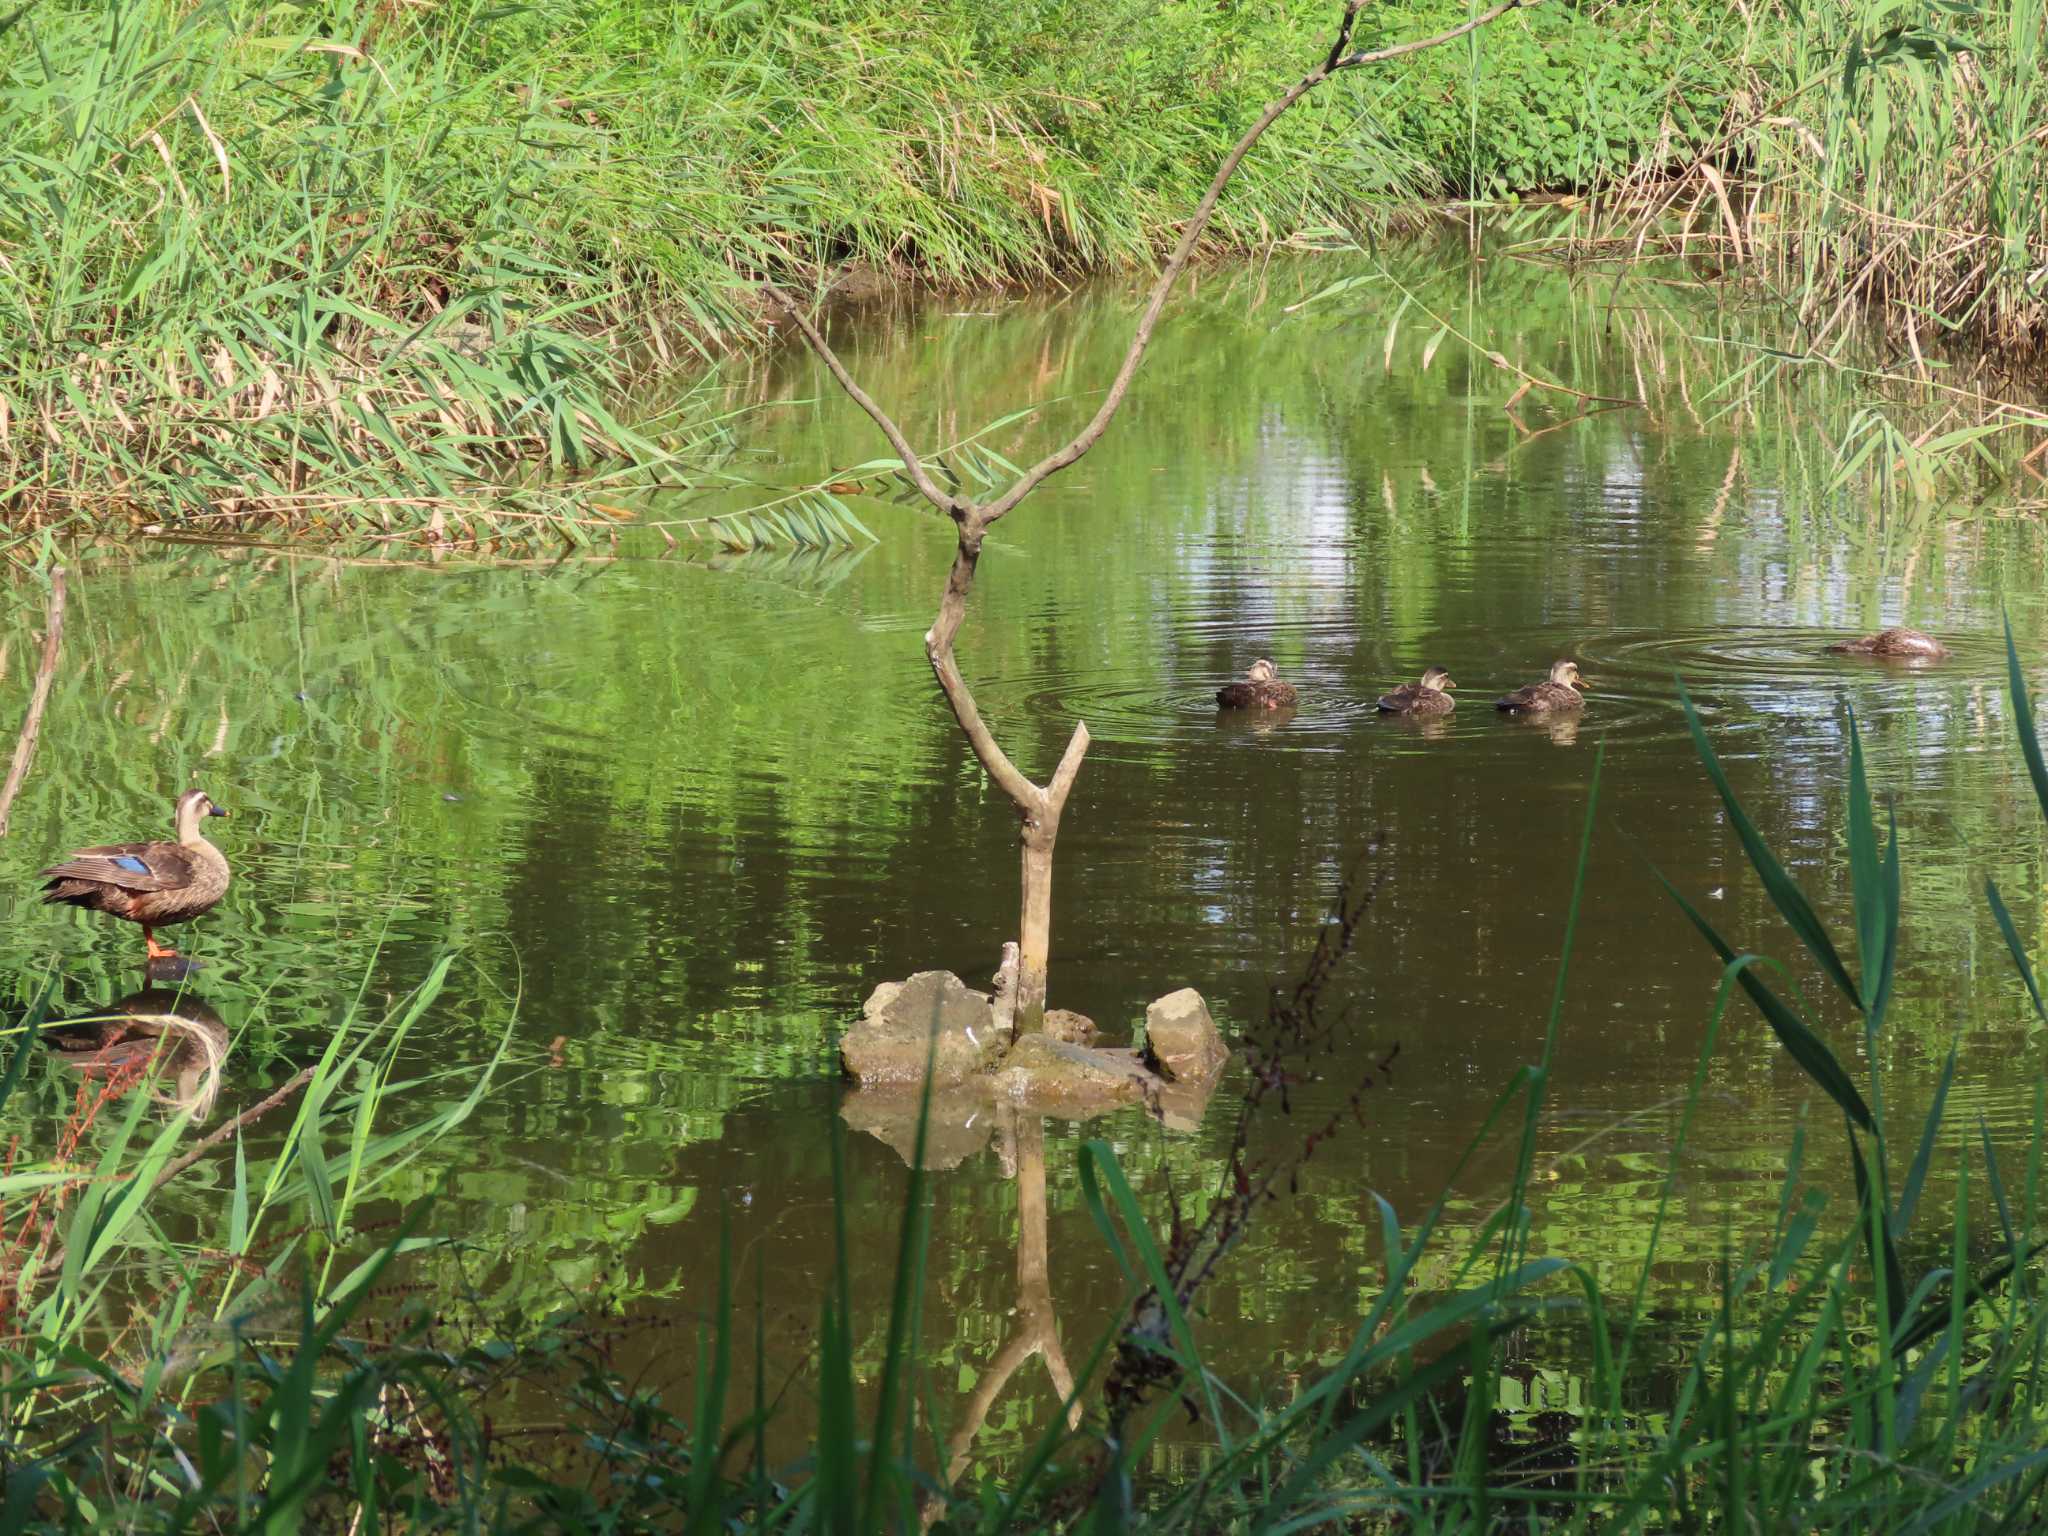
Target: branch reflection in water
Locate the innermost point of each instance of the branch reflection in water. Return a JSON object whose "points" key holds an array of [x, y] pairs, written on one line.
{"points": [[1034, 1328], [958, 1124]]}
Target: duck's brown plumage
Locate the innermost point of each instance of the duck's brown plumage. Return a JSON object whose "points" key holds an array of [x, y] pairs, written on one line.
{"points": [[1261, 688], [154, 884], [1897, 641], [1556, 692], [1431, 696]]}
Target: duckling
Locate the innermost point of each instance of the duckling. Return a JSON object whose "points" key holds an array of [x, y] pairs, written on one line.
{"points": [[1431, 696], [1898, 641], [154, 884], [1262, 689], [1558, 691]]}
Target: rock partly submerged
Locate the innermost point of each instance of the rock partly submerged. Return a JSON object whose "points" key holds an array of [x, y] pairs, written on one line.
{"points": [[1182, 1042], [935, 1018], [932, 1017], [1043, 1073], [1074, 1028]]}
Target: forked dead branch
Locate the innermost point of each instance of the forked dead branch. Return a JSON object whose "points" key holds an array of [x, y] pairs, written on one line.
{"points": [[1039, 806]]}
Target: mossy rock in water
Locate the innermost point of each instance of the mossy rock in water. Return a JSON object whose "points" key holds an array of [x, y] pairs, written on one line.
{"points": [[1074, 1028], [1043, 1073], [934, 1016]]}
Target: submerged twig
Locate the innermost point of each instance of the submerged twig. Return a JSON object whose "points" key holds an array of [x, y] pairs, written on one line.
{"points": [[1039, 807], [221, 1133], [39, 696], [1296, 1029]]}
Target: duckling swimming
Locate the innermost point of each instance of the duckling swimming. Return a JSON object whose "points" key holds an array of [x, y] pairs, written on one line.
{"points": [[1261, 689], [1898, 641], [1431, 696], [1558, 691]]}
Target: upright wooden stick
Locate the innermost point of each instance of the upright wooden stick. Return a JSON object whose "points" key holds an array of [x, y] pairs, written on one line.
{"points": [[1039, 806]]}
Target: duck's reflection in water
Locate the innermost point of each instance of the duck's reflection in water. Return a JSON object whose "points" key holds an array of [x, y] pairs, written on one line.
{"points": [[1255, 722], [1421, 727], [1561, 726], [172, 1040]]}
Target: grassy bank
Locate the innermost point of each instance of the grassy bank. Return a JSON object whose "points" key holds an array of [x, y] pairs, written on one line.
{"points": [[1879, 162], [365, 269], [369, 268]]}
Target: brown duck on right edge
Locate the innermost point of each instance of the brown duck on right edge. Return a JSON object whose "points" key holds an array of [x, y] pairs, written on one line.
{"points": [[1559, 691], [1898, 641]]}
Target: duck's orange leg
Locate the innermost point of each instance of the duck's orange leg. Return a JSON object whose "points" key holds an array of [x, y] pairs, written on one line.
{"points": [[156, 950]]}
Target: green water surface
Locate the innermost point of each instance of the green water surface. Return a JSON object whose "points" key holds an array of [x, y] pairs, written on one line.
{"points": [[678, 814]]}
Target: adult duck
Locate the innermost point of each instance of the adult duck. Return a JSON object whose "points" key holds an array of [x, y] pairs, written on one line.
{"points": [[1899, 641], [154, 884], [1260, 688], [1559, 691], [1431, 696]]}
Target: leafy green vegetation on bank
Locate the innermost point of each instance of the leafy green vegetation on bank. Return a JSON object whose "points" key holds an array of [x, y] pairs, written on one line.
{"points": [[350, 266], [369, 270], [1880, 161]]}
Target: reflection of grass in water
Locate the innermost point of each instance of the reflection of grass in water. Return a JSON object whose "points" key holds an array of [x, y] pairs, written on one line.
{"points": [[414, 691], [374, 719], [390, 741], [1833, 1388], [1859, 451], [106, 1257]]}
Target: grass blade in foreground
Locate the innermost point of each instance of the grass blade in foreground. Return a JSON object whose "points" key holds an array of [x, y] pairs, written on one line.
{"points": [[1800, 1042], [1784, 892]]}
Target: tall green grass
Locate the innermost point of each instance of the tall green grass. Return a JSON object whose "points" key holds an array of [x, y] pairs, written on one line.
{"points": [[252, 284], [1881, 161], [376, 269], [1901, 164], [355, 268], [381, 271], [120, 1321]]}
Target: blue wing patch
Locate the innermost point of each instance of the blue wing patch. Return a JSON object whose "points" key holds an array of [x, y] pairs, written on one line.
{"points": [[129, 862]]}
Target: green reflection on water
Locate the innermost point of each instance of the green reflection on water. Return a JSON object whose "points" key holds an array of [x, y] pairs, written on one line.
{"points": [[689, 812]]}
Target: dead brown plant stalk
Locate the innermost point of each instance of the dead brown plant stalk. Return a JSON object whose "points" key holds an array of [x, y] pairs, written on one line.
{"points": [[1039, 806], [39, 696], [1284, 1052], [30, 1246]]}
